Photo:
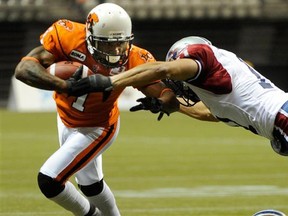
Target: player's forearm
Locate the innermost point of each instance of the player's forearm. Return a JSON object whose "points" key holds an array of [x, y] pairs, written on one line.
{"points": [[198, 111], [140, 75], [35, 75], [170, 102]]}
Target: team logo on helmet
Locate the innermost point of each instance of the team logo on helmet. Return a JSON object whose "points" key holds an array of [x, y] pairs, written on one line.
{"points": [[92, 19], [173, 55]]}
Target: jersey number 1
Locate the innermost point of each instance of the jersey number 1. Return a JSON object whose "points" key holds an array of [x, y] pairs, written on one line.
{"points": [[79, 103]]}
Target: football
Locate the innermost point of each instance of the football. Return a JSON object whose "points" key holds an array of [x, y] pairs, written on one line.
{"points": [[65, 69]]}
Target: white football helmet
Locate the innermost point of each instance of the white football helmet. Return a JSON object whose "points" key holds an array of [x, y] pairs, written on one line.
{"points": [[179, 45], [109, 34], [269, 212]]}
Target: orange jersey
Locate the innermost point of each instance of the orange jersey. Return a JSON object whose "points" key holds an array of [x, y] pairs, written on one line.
{"points": [[66, 41]]}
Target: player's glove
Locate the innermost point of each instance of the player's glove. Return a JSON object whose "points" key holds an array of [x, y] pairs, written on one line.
{"points": [[74, 78], [152, 104], [93, 83]]}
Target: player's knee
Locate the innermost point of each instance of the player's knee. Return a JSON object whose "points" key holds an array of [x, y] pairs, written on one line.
{"points": [[93, 189], [48, 186]]}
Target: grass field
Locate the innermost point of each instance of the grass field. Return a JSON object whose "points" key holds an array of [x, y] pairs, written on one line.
{"points": [[175, 167]]}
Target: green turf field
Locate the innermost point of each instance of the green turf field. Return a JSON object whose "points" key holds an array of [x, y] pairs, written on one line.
{"points": [[175, 167]]}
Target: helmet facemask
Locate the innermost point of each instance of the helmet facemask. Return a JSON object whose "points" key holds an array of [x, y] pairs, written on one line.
{"points": [[110, 52], [183, 91]]}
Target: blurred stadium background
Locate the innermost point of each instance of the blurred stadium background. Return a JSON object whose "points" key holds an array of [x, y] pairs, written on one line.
{"points": [[174, 167], [257, 30]]}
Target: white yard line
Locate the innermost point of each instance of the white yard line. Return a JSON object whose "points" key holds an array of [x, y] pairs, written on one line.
{"points": [[205, 191], [196, 192]]}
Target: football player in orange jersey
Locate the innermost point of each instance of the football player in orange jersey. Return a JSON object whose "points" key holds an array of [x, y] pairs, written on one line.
{"points": [[87, 126]]}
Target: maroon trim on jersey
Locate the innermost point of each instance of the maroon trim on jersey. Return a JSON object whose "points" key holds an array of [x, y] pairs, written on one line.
{"points": [[282, 123], [213, 76], [280, 132], [281, 120]]}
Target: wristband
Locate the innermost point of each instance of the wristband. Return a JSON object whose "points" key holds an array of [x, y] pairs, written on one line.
{"points": [[30, 58]]}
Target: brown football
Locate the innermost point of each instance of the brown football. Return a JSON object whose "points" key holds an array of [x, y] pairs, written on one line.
{"points": [[65, 69]]}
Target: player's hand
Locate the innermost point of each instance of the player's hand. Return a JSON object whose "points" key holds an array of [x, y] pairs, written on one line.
{"points": [[152, 104], [93, 83], [74, 78]]}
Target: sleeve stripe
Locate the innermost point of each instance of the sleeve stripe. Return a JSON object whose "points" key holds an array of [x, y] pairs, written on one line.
{"points": [[198, 72]]}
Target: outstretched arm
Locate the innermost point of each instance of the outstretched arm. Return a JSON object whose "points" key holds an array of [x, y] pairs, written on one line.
{"points": [[144, 74], [141, 75]]}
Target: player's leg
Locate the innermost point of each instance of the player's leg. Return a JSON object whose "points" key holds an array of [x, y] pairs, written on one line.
{"points": [[91, 183], [280, 133], [65, 195], [77, 149]]}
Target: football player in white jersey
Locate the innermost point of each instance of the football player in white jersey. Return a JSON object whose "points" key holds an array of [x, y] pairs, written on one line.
{"points": [[224, 86]]}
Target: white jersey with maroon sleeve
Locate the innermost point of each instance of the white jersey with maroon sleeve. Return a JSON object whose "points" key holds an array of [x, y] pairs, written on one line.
{"points": [[234, 92]]}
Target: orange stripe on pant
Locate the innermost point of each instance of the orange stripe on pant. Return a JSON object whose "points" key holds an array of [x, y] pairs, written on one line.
{"points": [[87, 154]]}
